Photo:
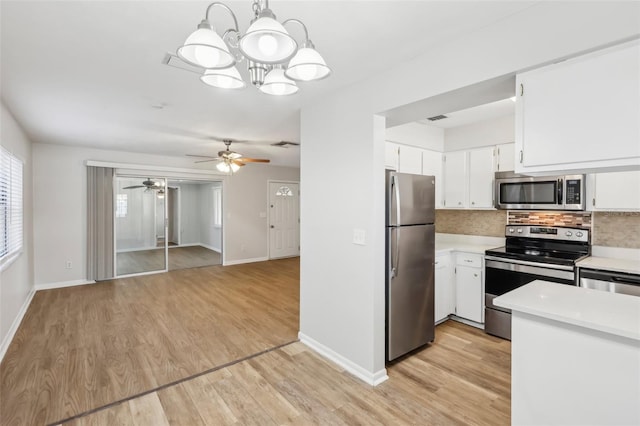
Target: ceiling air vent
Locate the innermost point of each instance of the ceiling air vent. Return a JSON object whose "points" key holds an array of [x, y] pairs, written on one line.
{"points": [[437, 117], [285, 144]]}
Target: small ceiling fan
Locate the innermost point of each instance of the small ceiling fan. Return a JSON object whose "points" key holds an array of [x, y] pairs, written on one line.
{"points": [[229, 161], [147, 184]]}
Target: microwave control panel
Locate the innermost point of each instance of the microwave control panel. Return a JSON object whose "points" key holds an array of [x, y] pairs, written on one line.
{"points": [[573, 191]]}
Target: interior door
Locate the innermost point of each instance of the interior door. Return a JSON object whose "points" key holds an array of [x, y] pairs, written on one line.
{"points": [[140, 225], [284, 223]]}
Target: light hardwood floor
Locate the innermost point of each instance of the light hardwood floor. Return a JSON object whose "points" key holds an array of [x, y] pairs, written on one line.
{"points": [[79, 348], [196, 346], [463, 379]]}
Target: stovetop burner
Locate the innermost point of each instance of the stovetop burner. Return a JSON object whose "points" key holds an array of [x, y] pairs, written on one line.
{"points": [[552, 245]]}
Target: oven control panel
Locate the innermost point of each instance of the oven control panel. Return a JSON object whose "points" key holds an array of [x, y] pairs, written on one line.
{"points": [[547, 232]]}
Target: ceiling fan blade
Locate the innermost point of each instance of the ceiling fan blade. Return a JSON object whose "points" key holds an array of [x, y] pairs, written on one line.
{"points": [[253, 160], [207, 161], [239, 163], [134, 186], [201, 156]]}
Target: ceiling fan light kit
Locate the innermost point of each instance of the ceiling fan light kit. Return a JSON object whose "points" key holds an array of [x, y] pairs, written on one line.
{"points": [[267, 47]]}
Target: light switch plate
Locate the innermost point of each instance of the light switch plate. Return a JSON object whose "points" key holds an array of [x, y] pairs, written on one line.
{"points": [[359, 236]]}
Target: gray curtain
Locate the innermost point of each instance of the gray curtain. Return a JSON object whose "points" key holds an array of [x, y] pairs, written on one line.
{"points": [[100, 213]]}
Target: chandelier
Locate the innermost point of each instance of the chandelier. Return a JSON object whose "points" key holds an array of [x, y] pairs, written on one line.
{"points": [[274, 60]]}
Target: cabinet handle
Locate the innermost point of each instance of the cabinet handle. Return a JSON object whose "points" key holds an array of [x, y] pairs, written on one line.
{"points": [[475, 275], [521, 89], [473, 203], [521, 155], [467, 260]]}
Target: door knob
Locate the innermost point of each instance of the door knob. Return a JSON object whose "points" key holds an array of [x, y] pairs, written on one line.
{"points": [[271, 226]]}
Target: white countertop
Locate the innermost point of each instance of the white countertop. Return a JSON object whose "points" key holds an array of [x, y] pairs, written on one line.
{"points": [[611, 313], [630, 266], [443, 247]]}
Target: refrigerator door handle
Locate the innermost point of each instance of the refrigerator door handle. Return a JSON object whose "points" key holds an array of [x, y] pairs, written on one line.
{"points": [[394, 263], [396, 191]]}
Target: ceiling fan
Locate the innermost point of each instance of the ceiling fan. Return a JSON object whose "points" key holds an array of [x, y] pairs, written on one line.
{"points": [[147, 184], [229, 161]]}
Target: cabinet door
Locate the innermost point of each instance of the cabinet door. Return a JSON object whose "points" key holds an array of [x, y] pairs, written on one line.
{"points": [[469, 293], [391, 155], [410, 160], [481, 176], [580, 113], [455, 179], [505, 157], [432, 166], [444, 294], [617, 191]]}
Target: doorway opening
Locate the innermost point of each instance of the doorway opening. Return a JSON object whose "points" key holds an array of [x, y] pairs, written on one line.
{"points": [[163, 224]]}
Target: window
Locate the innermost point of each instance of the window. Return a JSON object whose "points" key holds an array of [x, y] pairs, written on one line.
{"points": [[10, 205], [284, 191], [121, 205], [217, 206]]}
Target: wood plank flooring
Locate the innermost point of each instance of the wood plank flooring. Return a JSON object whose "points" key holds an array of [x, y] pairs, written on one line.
{"points": [[132, 262], [80, 348], [462, 379]]}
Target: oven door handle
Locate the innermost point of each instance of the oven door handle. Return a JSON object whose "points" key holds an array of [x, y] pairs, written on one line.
{"points": [[527, 263], [532, 268]]}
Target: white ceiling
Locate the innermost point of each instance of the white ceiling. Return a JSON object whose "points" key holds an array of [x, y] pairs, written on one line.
{"points": [[89, 73], [474, 115]]}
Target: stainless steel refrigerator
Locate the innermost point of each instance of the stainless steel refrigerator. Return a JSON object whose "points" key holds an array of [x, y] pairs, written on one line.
{"points": [[410, 254]]}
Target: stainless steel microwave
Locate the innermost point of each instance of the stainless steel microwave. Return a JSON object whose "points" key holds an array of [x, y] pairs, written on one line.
{"points": [[520, 192]]}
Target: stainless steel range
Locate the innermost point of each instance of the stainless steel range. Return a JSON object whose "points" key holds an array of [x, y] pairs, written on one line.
{"points": [[531, 252]]}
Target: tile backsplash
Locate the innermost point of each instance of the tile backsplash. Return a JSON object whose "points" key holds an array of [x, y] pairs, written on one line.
{"points": [[616, 229], [609, 229], [471, 222], [549, 218]]}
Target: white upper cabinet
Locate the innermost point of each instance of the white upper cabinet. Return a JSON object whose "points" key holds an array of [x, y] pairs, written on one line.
{"points": [[410, 159], [432, 166], [614, 191], [391, 155], [505, 157], [580, 114], [481, 176], [455, 174]]}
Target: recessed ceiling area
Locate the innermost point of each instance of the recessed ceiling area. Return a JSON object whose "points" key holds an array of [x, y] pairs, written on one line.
{"points": [[474, 115]]}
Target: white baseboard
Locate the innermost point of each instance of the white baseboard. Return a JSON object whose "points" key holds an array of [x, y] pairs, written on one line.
{"points": [[62, 284], [240, 261], [373, 379], [16, 323], [468, 322]]}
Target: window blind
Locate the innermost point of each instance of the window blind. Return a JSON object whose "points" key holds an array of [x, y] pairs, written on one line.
{"points": [[10, 204]]}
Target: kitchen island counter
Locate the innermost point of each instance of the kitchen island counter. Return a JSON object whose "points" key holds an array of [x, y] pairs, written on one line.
{"points": [[575, 355]]}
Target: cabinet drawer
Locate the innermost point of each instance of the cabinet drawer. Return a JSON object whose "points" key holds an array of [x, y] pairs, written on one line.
{"points": [[469, 259]]}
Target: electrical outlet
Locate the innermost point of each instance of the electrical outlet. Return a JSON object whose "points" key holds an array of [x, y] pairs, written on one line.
{"points": [[359, 237], [68, 264]]}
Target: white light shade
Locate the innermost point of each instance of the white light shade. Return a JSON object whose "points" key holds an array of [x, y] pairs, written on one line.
{"points": [[276, 83], [227, 167], [267, 41], [228, 78], [205, 48], [307, 65]]}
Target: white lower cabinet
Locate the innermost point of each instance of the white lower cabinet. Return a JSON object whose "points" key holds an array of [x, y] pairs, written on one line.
{"points": [[469, 288], [445, 295]]}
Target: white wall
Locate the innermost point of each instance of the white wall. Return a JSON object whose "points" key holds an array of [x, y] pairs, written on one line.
{"points": [[417, 134], [486, 133], [60, 206], [16, 280], [342, 285]]}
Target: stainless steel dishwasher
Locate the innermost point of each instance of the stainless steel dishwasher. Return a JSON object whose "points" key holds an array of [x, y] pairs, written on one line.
{"points": [[614, 282]]}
